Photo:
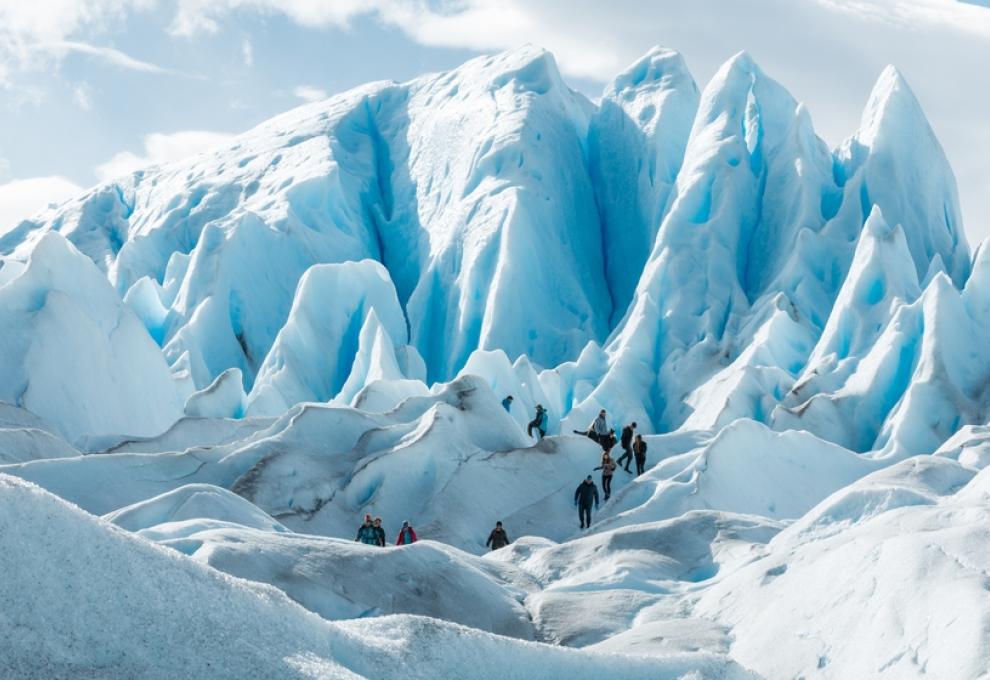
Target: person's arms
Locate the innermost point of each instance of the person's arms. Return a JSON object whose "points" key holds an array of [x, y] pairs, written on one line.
{"points": [[490, 537]]}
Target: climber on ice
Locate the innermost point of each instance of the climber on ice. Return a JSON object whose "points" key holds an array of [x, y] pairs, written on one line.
{"points": [[539, 422], [406, 534], [607, 467], [498, 538], [584, 495], [507, 404], [366, 532], [379, 532], [639, 448], [626, 442], [598, 430]]}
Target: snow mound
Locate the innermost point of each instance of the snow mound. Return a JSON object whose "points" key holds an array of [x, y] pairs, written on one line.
{"points": [[746, 469], [193, 501], [917, 569], [343, 580]]}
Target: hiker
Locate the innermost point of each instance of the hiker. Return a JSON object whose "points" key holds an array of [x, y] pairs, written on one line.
{"points": [[583, 497], [539, 422], [379, 532], [639, 448], [607, 467], [598, 430], [366, 532], [507, 404], [498, 538], [626, 441], [406, 534]]}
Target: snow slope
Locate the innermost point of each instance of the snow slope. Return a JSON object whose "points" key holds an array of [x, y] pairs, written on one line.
{"points": [[108, 608]]}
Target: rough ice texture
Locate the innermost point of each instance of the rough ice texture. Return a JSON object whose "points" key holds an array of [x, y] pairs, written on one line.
{"points": [[679, 258], [322, 319]]}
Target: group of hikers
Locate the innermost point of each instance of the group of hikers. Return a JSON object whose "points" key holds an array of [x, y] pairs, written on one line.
{"points": [[371, 533], [633, 449], [585, 496]]}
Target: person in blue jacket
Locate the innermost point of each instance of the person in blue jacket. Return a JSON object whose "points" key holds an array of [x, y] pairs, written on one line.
{"points": [[366, 532], [539, 422], [507, 404]]}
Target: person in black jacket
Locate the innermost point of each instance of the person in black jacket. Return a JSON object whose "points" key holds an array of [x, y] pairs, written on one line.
{"points": [[498, 538], [639, 448], [584, 495], [626, 442], [379, 532]]}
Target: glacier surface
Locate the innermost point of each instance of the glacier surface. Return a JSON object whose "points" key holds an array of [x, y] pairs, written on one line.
{"points": [[210, 370]]}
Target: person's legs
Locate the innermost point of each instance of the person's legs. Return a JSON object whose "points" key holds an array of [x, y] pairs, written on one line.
{"points": [[584, 512], [640, 466], [607, 485], [627, 455]]}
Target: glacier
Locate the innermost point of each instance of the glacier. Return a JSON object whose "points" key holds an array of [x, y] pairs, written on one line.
{"points": [[213, 368]]}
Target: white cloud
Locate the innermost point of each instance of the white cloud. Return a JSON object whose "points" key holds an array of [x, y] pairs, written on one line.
{"points": [[82, 95], [22, 198], [161, 148], [204, 16], [309, 93], [107, 54], [35, 33]]}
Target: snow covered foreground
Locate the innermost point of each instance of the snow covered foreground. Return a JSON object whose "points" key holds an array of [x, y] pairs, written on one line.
{"points": [[212, 369]]}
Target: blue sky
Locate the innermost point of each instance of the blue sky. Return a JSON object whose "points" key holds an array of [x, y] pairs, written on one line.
{"points": [[94, 88]]}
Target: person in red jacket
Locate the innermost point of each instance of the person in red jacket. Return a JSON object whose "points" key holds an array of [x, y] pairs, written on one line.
{"points": [[406, 535]]}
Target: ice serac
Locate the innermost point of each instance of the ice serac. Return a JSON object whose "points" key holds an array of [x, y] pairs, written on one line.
{"points": [[752, 180], [227, 234], [948, 386], [315, 351], [224, 398], [75, 355], [636, 143], [894, 161], [825, 398], [489, 179]]}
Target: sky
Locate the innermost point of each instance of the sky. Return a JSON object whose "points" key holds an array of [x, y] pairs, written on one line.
{"points": [[91, 89]]}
